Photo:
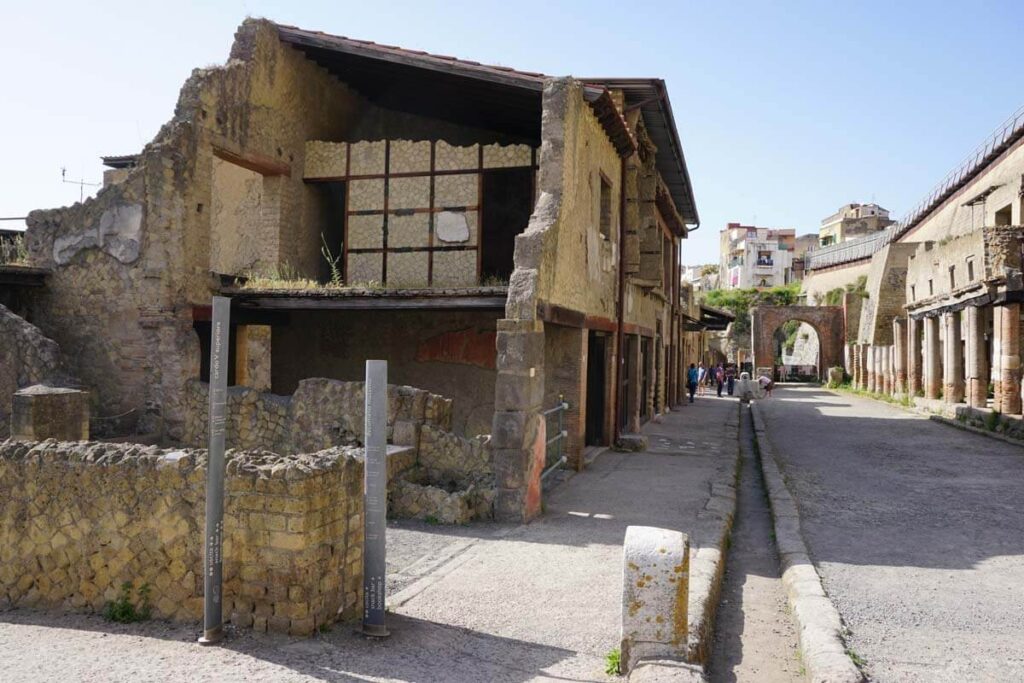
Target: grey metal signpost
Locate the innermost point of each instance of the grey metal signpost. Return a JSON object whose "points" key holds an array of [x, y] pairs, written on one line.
{"points": [[375, 497], [213, 615]]}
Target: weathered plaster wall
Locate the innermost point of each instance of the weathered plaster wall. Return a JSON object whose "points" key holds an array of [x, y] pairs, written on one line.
{"points": [[931, 264], [451, 353], [579, 263], [79, 519], [240, 240]]}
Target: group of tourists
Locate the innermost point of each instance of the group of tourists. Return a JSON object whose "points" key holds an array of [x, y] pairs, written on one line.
{"points": [[700, 380]]}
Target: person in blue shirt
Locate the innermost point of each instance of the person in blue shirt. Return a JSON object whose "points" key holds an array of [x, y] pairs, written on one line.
{"points": [[692, 377]]}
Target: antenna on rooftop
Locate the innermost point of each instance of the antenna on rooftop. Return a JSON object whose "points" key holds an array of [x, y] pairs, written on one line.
{"points": [[80, 182]]}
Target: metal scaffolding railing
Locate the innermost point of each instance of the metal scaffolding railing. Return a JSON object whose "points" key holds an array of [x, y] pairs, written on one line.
{"points": [[1005, 135]]}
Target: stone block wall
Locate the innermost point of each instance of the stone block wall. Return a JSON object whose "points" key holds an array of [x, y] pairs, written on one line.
{"points": [[320, 414], [80, 519]]}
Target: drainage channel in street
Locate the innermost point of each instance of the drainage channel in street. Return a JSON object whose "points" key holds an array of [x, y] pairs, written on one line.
{"points": [[755, 637]]}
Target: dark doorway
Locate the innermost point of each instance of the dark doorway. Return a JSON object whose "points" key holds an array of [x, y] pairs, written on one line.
{"points": [[330, 205], [507, 196], [626, 375], [645, 378], [596, 386]]}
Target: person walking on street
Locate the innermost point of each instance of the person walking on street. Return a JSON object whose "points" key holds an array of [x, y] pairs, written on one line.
{"points": [[691, 380], [702, 378], [730, 378], [719, 379], [766, 384]]}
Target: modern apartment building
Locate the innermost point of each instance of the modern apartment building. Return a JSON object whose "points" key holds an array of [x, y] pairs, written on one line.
{"points": [[853, 220], [756, 257]]}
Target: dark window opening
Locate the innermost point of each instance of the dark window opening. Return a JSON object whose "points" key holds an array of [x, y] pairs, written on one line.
{"points": [[330, 203], [606, 208], [952, 277], [1004, 216], [913, 293], [506, 207], [970, 270], [931, 288], [203, 329]]}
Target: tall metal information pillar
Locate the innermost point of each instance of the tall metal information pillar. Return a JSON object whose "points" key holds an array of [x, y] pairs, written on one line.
{"points": [[375, 497], [213, 613]]}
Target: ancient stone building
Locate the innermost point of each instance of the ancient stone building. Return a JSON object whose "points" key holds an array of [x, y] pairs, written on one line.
{"points": [[939, 321], [504, 239]]}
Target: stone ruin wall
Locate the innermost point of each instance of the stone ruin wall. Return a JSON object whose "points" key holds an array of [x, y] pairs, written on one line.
{"points": [[27, 357], [320, 414], [80, 519], [444, 476]]}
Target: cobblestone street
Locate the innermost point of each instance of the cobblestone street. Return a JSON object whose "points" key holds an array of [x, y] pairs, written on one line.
{"points": [[917, 530]]}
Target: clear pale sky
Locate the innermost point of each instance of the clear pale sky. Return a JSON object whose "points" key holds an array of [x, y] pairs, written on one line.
{"points": [[786, 109]]}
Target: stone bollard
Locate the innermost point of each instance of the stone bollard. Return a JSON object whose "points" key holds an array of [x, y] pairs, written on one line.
{"points": [[655, 591], [40, 412]]}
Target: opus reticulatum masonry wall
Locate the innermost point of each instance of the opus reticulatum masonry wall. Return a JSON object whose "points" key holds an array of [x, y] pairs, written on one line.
{"points": [[80, 519]]}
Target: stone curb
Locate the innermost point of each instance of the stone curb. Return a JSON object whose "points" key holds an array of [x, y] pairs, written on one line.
{"points": [[818, 622], [708, 549], [942, 419]]}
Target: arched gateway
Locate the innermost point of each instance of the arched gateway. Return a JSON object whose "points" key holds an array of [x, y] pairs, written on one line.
{"points": [[827, 321]]}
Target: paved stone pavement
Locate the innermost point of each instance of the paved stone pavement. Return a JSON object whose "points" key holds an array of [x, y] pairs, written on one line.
{"points": [[917, 529], [484, 602], [557, 582]]}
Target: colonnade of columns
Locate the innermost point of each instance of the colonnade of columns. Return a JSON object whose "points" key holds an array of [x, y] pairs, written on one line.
{"points": [[955, 356]]}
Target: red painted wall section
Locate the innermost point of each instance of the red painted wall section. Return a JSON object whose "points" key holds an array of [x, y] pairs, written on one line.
{"points": [[471, 346]]}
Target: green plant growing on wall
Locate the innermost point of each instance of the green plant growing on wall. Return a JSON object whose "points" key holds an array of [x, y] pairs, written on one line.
{"points": [[332, 262], [124, 611], [992, 421], [14, 251]]}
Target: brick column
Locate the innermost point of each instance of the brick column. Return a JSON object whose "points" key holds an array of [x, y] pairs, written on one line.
{"points": [[914, 384], [977, 360], [932, 360], [953, 367], [854, 363], [887, 372], [518, 433], [879, 368], [899, 336], [865, 369], [1007, 332], [869, 375]]}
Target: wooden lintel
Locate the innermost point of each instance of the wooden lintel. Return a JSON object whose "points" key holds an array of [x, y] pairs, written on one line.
{"points": [[633, 328], [257, 163], [560, 315], [373, 303], [243, 316], [601, 324]]}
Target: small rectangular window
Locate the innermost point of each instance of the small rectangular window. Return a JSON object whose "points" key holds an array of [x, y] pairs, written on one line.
{"points": [[952, 278], [913, 293], [970, 270], [931, 288], [606, 207]]}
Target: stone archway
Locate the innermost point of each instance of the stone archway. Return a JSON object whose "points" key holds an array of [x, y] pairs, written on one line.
{"points": [[828, 322]]}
